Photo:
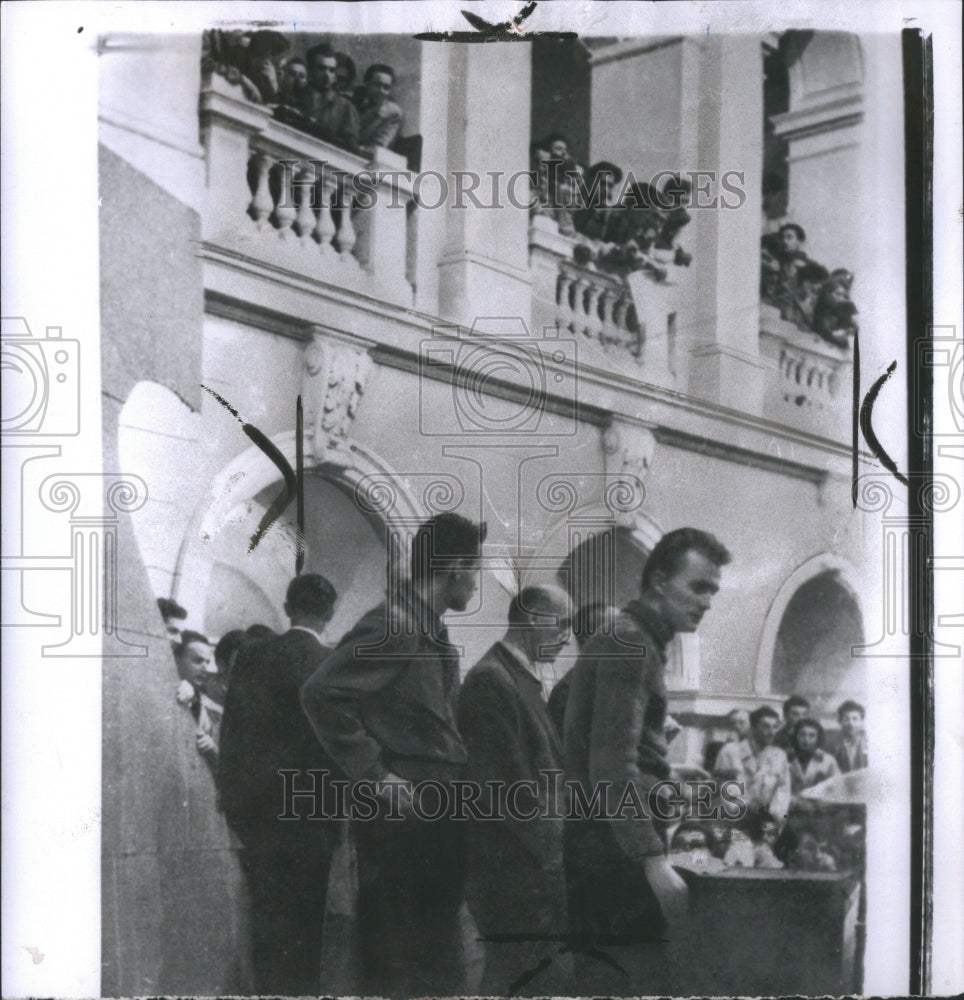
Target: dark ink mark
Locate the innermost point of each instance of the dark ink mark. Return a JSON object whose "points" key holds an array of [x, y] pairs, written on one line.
{"points": [[300, 484], [866, 425], [294, 481], [855, 427], [504, 31], [80, 29], [526, 977]]}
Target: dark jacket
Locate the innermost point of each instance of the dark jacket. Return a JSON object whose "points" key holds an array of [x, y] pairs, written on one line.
{"points": [[263, 731], [558, 698], [384, 700], [516, 882], [615, 717], [332, 118]]}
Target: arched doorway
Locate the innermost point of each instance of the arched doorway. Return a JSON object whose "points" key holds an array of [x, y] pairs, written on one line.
{"points": [[818, 628], [344, 544], [350, 511]]}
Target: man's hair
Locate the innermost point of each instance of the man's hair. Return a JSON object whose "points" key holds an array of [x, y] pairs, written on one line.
{"points": [[322, 51], [808, 724], [342, 59], [379, 68], [850, 706], [443, 539], [605, 167], [668, 553], [801, 235], [534, 600], [260, 632], [555, 137], [188, 637], [795, 701], [170, 608], [761, 713], [228, 644], [310, 594], [296, 59]]}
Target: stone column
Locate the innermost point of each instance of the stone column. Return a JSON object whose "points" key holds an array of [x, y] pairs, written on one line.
{"points": [[722, 332], [484, 267]]}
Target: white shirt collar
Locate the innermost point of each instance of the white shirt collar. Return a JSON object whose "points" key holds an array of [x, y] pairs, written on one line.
{"points": [[310, 631]]}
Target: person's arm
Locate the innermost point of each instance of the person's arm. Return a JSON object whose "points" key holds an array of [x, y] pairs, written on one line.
{"points": [[383, 129], [331, 698], [619, 711]]}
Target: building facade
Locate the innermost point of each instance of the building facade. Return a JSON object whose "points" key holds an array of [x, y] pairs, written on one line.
{"points": [[453, 350]]}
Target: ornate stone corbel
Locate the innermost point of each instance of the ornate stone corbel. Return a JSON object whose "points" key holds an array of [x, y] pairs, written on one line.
{"points": [[336, 368], [629, 452]]}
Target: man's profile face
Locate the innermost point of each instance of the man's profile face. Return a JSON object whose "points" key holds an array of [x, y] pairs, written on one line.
{"points": [[740, 722], [173, 627], [548, 639], [795, 714], [379, 86], [851, 723], [765, 731], [195, 660], [790, 239], [807, 739], [296, 76], [463, 584], [686, 596], [323, 72]]}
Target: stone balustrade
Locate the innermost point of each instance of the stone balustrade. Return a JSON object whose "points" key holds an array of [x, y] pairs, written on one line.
{"points": [[285, 198], [811, 376], [631, 319]]}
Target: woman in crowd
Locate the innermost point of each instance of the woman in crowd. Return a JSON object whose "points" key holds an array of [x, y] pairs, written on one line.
{"points": [[809, 763]]}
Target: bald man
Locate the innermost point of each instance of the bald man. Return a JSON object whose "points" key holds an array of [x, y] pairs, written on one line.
{"points": [[516, 880]]}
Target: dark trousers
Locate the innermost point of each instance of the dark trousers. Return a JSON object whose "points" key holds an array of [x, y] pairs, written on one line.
{"points": [[288, 882], [411, 876], [614, 911]]}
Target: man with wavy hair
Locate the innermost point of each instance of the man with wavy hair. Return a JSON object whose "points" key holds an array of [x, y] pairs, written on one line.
{"points": [[383, 705], [624, 895]]}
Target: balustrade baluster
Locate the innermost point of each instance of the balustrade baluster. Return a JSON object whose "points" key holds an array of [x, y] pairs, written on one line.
{"points": [[345, 238], [325, 230], [262, 203], [285, 212], [305, 222]]}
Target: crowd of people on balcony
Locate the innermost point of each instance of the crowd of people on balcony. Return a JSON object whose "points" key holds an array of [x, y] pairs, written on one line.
{"points": [[634, 230], [385, 708], [809, 295], [317, 95]]}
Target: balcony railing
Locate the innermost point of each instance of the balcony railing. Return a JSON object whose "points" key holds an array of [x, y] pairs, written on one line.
{"points": [[285, 198], [631, 319], [812, 376]]}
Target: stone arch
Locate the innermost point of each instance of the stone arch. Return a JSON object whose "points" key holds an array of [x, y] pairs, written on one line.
{"points": [[823, 585], [361, 492], [636, 534]]}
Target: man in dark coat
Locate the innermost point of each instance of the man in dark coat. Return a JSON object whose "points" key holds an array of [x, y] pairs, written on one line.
{"points": [[383, 705], [264, 732], [516, 883], [621, 884], [331, 117]]}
